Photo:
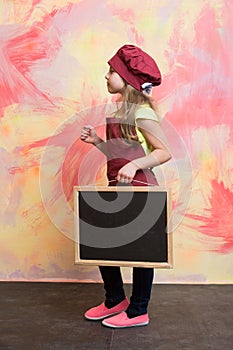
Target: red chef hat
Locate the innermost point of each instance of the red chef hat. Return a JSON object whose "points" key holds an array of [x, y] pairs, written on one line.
{"points": [[135, 66]]}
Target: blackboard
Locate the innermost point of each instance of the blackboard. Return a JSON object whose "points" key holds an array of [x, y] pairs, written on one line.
{"points": [[122, 226]]}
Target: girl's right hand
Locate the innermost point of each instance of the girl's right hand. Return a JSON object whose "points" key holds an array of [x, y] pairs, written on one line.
{"points": [[88, 134]]}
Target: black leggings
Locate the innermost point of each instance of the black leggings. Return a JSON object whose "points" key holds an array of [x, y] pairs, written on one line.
{"points": [[142, 284]]}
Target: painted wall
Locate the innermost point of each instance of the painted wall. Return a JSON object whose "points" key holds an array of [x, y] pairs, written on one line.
{"points": [[53, 59]]}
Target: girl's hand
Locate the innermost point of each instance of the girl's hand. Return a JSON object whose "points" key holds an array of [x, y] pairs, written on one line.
{"points": [[88, 134], [127, 173]]}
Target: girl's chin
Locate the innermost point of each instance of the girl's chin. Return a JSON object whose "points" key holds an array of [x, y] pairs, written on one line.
{"points": [[112, 91]]}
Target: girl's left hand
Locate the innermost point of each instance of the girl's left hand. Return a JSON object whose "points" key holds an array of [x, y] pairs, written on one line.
{"points": [[127, 173]]}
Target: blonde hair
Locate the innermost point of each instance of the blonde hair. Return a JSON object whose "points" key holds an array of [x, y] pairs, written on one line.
{"points": [[131, 100]]}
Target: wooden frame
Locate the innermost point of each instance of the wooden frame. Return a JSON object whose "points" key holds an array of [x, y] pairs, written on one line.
{"points": [[80, 258]]}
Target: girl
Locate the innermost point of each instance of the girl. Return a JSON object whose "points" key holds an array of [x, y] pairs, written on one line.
{"points": [[133, 147]]}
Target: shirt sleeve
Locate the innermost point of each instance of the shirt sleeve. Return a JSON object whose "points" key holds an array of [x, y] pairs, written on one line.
{"points": [[145, 112]]}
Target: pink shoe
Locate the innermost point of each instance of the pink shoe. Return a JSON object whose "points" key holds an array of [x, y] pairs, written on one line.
{"points": [[101, 311], [122, 321]]}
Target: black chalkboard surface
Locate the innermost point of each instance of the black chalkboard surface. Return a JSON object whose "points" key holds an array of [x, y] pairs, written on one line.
{"points": [[122, 226]]}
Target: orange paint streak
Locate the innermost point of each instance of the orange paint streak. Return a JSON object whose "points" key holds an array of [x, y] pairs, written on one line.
{"points": [[5, 130]]}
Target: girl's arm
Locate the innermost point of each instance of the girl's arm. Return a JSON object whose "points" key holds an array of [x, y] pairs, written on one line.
{"points": [[152, 132], [88, 134]]}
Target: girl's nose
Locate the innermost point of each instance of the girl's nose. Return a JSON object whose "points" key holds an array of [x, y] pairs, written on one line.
{"points": [[107, 76]]}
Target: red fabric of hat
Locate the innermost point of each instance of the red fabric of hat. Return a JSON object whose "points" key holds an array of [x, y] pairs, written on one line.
{"points": [[135, 66]]}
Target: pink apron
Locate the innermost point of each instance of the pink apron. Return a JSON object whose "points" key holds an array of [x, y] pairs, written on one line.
{"points": [[119, 153]]}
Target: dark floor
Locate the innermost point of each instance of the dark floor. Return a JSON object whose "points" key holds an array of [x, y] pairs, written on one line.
{"points": [[39, 316]]}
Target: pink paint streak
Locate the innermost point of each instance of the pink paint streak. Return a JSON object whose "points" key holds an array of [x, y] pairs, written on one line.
{"points": [[22, 50], [199, 85], [218, 219], [17, 56], [68, 139], [77, 157], [127, 15]]}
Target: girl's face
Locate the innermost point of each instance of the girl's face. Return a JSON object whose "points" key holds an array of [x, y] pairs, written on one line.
{"points": [[115, 84]]}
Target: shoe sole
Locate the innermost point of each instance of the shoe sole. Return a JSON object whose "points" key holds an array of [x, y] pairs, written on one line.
{"points": [[102, 317], [132, 325]]}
